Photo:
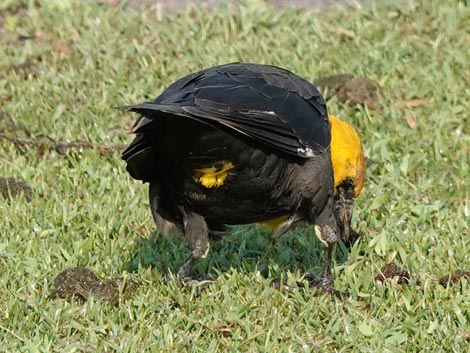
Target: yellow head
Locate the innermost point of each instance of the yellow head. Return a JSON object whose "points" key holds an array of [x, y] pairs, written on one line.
{"points": [[346, 154]]}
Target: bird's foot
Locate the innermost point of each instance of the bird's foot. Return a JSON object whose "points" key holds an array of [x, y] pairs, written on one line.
{"points": [[322, 282], [191, 282], [197, 285]]}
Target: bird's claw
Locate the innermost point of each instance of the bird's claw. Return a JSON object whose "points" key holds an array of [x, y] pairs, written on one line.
{"points": [[323, 283], [197, 285]]}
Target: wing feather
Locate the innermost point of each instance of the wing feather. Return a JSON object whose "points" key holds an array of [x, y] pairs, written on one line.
{"points": [[266, 103]]}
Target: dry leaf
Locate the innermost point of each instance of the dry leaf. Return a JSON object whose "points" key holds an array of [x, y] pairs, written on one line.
{"points": [[410, 121]]}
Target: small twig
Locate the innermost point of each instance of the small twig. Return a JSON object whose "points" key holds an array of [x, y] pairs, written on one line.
{"points": [[61, 147], [18, 142]]}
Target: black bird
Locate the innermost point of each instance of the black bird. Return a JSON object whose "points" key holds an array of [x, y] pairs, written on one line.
{"points": [[243, 143]]}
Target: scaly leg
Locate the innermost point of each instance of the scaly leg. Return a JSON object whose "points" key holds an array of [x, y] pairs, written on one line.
{"points": [[327, 231], [197, 238]]}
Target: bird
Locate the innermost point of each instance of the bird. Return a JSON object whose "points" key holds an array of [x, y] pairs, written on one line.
{"points": [[245, 143]]}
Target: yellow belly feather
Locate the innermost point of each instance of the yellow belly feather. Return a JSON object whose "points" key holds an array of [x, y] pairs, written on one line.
{"points": [[272, 224]]}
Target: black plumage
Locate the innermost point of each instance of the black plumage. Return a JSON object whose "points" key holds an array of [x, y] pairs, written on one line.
{"points": [[235, 144]]}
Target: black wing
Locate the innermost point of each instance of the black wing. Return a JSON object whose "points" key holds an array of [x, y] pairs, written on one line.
{"points": [[266, 103]]}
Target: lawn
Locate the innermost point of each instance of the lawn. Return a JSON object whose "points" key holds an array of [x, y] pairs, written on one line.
{"points": [[65, 65]]}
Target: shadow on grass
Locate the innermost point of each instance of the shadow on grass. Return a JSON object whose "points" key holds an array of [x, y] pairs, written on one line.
{"points": [[248, 249]]}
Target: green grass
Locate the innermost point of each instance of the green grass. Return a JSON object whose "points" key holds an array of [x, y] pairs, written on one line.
{"points": [[64, 67]]}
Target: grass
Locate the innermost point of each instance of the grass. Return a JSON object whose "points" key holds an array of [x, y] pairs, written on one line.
{"points": [[64, 66]]}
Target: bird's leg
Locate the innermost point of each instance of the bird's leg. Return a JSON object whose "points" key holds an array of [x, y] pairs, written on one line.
{"points": [[164, 225], [327, 231], [325, 280], [186, 270], [196, 235]]}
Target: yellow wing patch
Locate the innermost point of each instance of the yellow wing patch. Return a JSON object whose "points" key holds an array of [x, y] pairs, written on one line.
{"points": [[214, 176], [346, 154], [272, 224]]}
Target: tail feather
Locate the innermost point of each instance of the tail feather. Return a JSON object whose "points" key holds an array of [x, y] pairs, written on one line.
{"points": [[141, 165]]}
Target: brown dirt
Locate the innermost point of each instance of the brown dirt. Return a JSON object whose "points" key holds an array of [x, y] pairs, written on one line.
{"points": [[14, 187], [81, 282], [449, 279], [392, 270], [350, 89]]}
